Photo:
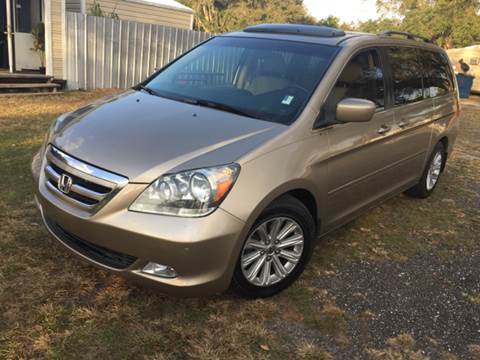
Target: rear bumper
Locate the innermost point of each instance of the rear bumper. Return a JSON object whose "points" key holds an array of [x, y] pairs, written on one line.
{"points": [[203, 251]]}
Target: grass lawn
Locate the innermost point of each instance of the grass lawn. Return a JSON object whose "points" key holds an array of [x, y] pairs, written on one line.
{"points": [[401, 282]]}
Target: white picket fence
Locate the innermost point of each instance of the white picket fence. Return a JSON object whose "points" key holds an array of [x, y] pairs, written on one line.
{"points": [[108, 53]]}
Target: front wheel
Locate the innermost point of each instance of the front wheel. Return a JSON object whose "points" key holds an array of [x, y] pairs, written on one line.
{"points": [[431, 174], [276, 250]]}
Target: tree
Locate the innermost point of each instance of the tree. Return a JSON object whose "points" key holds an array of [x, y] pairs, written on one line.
{"points": [[38, 34], [334, 22], [96, 10], [227, 15], [378, 26], [331, 21], [251, 12], [447, 22], [209, 14]]}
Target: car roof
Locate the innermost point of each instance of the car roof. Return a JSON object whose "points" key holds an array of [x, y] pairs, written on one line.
{"points": [[330, 36]]}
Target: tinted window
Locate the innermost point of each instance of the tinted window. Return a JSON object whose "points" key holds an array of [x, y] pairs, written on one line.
{"points": [[406, 75], [267, 79], [362, 78], [437, 78]]}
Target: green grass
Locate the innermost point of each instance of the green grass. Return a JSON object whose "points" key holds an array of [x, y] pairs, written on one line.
{"points": [[52, 305]]}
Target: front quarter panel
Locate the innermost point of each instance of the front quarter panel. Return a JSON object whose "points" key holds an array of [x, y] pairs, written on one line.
{"points": [[275, 173]]}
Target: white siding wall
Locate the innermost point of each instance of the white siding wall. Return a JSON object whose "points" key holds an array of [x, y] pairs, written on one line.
{"points": [[150, 14], [57, 37], [54, 36], [73, 5]]}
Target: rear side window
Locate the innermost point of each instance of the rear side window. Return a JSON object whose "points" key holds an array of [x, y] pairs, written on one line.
{"points": [[406, 75], [362, 78], [437, 74]]}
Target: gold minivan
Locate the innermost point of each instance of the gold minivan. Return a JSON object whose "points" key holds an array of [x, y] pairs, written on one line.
{"points": [[225, 166]]}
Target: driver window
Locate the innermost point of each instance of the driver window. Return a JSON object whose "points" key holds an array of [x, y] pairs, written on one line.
{"points": [[361, 78]]}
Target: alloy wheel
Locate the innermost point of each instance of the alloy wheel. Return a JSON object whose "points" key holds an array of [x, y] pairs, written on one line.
{"points": [[272, 251], [434, 171]]}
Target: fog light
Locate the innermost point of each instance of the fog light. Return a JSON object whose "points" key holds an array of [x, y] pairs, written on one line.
{"points": [[159, 270]]}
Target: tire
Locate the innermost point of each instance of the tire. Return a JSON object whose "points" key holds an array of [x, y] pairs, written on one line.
{"points": [[284, 213], [425, 187]]}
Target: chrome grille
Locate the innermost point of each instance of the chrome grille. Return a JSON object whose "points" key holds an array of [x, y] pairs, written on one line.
{"points": [[78, 183]]}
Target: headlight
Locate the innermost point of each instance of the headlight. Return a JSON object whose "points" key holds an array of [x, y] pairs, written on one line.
{"points": [[189, 193]]}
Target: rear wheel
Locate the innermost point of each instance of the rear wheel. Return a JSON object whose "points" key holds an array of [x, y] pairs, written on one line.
{"points": [[276, 250], [431, 174]]}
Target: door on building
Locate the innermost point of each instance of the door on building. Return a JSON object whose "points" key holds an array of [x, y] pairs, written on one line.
{"points": [[28, 14], [3, 35]]}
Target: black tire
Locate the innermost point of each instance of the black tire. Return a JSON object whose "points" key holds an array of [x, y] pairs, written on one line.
{"points": [[421, 190], [289, 207]]}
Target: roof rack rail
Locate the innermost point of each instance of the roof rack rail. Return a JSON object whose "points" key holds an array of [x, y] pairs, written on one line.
{"points": [[296, 29], [406, 34]]}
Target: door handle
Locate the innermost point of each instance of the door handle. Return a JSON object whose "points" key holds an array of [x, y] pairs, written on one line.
{"points": [[402, 124], [384, 129]]}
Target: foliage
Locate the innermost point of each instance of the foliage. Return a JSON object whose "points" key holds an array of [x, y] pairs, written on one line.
{"points": [[331, 21], [378, 26], [227, 15], [96, 10], [209, 14], [38, 34], [246, 13], [450, 23]]}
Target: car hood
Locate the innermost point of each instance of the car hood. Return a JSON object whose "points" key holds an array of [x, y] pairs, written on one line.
{"points": [[141, 136]]}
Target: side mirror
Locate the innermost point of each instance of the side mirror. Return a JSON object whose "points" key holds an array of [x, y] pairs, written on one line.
{"points": [[355, 110]]}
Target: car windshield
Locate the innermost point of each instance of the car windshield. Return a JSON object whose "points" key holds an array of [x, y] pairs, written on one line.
{"points": [[261, 78]]}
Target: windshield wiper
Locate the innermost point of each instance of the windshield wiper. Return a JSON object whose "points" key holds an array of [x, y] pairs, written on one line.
{"points": [[219, 106], [147, 89], [200, 102]]}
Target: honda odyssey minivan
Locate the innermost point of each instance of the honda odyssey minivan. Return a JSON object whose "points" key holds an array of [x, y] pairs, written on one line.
{"points": [[224, 167]]}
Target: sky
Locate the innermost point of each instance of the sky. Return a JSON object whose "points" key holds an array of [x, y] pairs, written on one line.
{"points": [[346, 10]]}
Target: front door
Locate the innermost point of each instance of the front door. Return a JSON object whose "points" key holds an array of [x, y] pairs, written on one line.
{"points": [[361, 162], [3, 35]]}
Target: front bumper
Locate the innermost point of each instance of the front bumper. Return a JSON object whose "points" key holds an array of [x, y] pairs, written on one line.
{"points": [[203, 251]]}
